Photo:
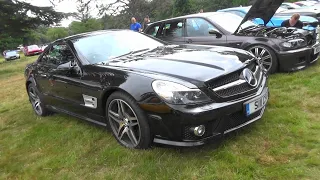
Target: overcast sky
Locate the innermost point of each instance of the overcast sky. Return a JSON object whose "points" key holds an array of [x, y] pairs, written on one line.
{"points": [[66, 6]]}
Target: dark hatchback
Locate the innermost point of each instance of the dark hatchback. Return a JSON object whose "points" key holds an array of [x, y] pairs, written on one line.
{"points": [[279, 49], [147, 91]]}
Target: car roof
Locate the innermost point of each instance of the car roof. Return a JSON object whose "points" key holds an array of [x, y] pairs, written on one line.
{"points": [[206, 14], [244, 8]]}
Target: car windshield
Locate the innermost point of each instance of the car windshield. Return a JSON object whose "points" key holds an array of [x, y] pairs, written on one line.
{"points": [[33, 47], [230, 22], [11, 53], [103, 47]]}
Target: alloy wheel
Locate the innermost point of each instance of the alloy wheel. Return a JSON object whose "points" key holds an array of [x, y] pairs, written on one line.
{"points": [[35, 100], [263, 55], [124, 123]]}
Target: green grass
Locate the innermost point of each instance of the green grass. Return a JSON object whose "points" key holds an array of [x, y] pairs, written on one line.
{"points": [[285, 144]]}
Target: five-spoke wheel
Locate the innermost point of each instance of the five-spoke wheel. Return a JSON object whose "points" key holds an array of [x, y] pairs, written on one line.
{"points": [[35, 99], [127, 121]]}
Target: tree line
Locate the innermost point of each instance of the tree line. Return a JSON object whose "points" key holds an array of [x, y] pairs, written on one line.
{"points": [[17, 27]]}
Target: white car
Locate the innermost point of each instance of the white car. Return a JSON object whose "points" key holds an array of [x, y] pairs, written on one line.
{"points": [[11, 55]]}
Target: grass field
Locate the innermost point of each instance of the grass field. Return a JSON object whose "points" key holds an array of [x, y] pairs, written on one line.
{"points": [[285, 144]]}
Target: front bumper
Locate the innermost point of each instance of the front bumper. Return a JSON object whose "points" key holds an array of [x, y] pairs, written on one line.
{"points": [[294, 60], [218, 118], [11, 57]]}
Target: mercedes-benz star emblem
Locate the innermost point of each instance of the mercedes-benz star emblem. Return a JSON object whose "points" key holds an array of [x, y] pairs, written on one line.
{"points": [[248, 76]]}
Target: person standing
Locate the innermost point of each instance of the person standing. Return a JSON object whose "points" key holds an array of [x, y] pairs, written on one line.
{"points": [[145, 22], [293, 22], [135, 26]]}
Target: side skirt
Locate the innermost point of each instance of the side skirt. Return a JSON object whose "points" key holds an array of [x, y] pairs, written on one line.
{"points": [[76, 115]]}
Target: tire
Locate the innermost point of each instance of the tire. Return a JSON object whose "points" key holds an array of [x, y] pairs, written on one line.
{"points": [[131, 129], [267, 52], [36, 100]]}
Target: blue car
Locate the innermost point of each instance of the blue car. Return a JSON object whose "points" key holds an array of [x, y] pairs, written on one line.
{"points": [[309, 23]]}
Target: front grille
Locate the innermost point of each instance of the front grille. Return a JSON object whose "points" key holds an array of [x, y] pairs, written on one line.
{"points": [[235, 90], [234, 76], [238, 118], [243, 88]]}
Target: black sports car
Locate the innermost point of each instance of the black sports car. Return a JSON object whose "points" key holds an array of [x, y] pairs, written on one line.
{"points": [[285, 49], [147, 91]]}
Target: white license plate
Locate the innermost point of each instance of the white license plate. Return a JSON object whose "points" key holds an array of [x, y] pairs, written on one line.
{"points": [[316, 49], [256, 104]]}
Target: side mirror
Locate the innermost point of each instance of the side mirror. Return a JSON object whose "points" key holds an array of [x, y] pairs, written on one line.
{"points": [[215, 32]]}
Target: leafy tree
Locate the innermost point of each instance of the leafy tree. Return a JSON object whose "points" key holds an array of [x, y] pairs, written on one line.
{"points": [[57, 33], [90, 25], [16, 21]]}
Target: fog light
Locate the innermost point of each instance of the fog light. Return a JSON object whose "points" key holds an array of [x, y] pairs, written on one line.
{"points": [[199, 130]]}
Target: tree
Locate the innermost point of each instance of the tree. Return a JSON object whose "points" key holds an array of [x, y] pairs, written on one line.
{"points": [[57, 33], [84, 10], [18, 18], [90, 25]]}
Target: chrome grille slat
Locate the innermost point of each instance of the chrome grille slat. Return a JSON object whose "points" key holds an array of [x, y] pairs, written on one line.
{"points": [[238, 86]]}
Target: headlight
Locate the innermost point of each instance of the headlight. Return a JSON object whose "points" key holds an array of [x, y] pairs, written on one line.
{"points": [[175, 93], [293, 43]]}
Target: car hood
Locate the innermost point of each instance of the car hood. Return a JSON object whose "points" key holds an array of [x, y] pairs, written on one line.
{"points": [[187, 62], [263, 9]]}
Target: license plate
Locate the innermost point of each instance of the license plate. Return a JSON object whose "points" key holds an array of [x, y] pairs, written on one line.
{"points": [[256, 104], [316, 49]]}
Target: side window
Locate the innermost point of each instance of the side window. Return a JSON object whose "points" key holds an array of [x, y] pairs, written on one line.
{"points": [[58, 54], [153, 30], [172, 29], [198, 27]]}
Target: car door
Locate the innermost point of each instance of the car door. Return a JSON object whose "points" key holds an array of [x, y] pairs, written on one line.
{"points": [[172, 31], [153, 30], [65, 79], [41, 75], [197, 32]]}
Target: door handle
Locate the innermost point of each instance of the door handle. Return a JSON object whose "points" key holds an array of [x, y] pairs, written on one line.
{"points": [[189, 41]]}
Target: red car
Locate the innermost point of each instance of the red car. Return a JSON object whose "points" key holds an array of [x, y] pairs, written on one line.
{"points": [[32, 50]]}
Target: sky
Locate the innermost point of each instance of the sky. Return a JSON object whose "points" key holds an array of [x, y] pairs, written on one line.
{"points": [[66, 6]]}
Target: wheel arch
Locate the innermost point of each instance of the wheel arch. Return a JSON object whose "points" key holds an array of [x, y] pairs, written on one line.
{"points": [[29, 81], [108, 92]]}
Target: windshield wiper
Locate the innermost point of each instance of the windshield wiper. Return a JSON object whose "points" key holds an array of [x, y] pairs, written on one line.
{"points": [[113, 59], [130, 53]]}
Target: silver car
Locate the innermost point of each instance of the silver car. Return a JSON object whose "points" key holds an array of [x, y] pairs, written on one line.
{"points": [[11, 55]]}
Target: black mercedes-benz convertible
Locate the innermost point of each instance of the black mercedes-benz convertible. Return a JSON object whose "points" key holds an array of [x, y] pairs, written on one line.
{"points": [[278, 48], [145, 90]]}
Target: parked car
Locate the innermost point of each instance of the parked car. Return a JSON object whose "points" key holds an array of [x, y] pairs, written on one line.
{"points": [[288, 5], [11, 55], [285, 49], [43, 47], [310, 23], [312, 12], [146, 90], [32, 50], [306, 3]]}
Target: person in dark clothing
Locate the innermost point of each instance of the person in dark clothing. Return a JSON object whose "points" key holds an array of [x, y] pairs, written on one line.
{"points": [[293, 22], [145, 23]]}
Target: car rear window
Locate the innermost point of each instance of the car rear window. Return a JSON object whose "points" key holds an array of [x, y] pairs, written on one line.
{"points": [[33, 47]]}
